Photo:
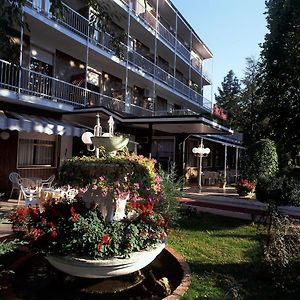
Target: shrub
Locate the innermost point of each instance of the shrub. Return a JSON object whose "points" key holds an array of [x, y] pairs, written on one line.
{"points": [[172, 188], [262, 160], [281, 190], [280, 247]]}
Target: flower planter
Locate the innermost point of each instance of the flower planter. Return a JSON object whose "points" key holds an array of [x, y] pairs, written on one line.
{"points": [[248, 195], [103, 268]]}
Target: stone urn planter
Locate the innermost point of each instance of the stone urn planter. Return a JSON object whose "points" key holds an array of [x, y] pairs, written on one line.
{"points": [[103, 268]]}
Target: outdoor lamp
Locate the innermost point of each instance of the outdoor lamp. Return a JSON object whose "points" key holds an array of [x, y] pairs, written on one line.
{"points": [[200, 152], [86, 138]]}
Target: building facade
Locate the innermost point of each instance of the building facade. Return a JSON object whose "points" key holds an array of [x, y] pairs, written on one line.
{"points": [[139, 61]]}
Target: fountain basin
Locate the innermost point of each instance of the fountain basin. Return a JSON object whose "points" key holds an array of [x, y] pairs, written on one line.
{"points": [[104, 268], [110, 144]]}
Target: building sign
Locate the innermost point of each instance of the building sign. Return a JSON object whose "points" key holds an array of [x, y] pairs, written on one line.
{"points": [[220, 112]]}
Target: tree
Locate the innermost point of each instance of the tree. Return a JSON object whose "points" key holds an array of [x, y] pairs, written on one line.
{"points": [[280, 87], [229, 98], [262, 160], [250, 102]]}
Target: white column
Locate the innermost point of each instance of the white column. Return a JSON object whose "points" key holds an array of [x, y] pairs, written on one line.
{"points": [[225, 162], [127, 98], [21, 53], [200, 166], [236, 163]]}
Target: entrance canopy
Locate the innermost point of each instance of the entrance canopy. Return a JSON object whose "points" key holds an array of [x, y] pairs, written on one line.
{"points": [[194, 124], [30, 123]]}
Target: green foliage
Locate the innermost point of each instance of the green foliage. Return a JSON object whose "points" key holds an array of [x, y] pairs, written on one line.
{"points": [[250, 102], [280, 82], [82, 171], [172, 188], [228, 98], [280, 247], [70, 228], [6, 247], [262, 160], [10, 14], [280, 190]]}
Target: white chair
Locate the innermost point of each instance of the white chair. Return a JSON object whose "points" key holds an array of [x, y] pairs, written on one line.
{"points": [[31, 196], [28, 191], [14, 178], [47, 183]]}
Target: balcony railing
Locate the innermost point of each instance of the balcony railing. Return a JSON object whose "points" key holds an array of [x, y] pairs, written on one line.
{"points": [[31, 83], [79, 24], [164, 33]]}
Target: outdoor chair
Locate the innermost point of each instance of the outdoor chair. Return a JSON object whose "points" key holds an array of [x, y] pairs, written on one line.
{"points": [[31, 196], [29, 191], [47, 183], [14, 178]]}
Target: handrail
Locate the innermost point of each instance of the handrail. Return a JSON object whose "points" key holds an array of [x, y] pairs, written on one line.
{"points": [[50, 88], [73, 20]]}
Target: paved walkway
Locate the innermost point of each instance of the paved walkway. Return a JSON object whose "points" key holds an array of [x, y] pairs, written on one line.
{"points": [[6, 208], [224, 202], [227, 202]]}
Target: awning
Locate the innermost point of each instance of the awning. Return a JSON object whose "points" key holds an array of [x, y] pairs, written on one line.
{"points": [[194, 124], [30, 123]]}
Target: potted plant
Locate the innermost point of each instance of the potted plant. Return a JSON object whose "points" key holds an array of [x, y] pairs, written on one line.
{"points": [[111, 227], [245, 188]]}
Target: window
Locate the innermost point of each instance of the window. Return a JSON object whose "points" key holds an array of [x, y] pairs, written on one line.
{"points": [[35, 152]]}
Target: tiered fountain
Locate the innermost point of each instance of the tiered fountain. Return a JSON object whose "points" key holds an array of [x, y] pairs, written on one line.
{"points": [[110, 232]]}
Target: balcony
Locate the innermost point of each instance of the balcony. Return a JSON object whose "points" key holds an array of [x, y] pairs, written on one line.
{"points": [[78, 24], [27, 82], [164, 34]]}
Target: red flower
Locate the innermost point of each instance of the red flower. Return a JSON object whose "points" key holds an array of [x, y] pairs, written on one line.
{"points": [[74, 214], [36, 232], [99, 247], [54, 234], [105, 239]]}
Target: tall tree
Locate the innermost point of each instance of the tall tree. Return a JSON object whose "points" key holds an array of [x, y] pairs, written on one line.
{"points": [[281, 74], [229, 98], [250, 102]]}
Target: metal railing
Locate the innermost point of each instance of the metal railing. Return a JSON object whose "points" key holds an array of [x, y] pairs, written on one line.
{"points": [[49, 88], [183, 51], [79, 24], [166, 35], [9, 75]]}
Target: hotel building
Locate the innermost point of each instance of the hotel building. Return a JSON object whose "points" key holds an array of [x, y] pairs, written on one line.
{"points": [[137, 60]]}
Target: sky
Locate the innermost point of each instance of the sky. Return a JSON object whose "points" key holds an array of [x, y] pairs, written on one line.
{"points": [[231, 29]]}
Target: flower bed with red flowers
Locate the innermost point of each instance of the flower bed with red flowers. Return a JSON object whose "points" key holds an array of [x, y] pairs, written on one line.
{"points": [[245, 186], [84, 226], [70, 228]]}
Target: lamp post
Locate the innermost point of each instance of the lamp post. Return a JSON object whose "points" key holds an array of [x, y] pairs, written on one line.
{"points": [[200, 152]]}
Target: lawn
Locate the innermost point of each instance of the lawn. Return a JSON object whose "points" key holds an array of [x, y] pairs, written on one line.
{"points": [[222, 253]]}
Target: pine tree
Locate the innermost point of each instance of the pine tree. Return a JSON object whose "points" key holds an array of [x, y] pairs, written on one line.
{"points": [[280, 87], [229, 98]]}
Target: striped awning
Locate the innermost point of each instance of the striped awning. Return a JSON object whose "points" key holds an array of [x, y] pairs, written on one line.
{"points": [[31, 123]]}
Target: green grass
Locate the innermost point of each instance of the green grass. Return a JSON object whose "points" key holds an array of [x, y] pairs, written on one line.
{"points": [[222, 254]]}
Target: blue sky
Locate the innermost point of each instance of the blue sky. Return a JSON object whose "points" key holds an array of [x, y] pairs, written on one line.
{"points": [[232, 30]]}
